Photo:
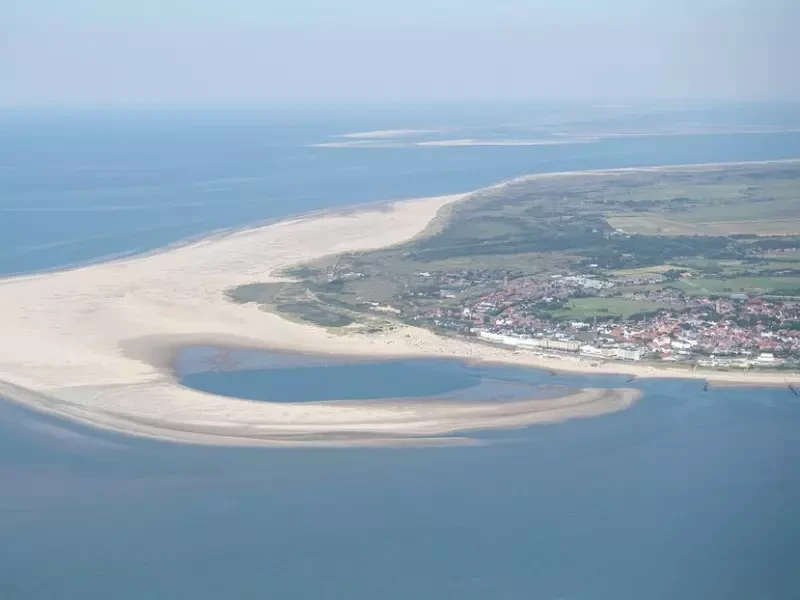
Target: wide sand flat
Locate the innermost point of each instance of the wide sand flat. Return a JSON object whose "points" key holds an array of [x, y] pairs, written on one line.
{"points": [[93, 343], [386, 133]]}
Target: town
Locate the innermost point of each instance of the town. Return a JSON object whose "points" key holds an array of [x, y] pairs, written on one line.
{"points": [[736, 330], [600, 268]]}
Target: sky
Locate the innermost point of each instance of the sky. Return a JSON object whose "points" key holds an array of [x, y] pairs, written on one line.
{"points": [[124, 52]]}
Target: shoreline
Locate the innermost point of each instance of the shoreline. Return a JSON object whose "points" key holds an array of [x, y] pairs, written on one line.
{"points": [[95, 343]]}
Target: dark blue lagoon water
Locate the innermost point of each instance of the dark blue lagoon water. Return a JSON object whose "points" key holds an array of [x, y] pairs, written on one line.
{"points": [[334, 382], [277, 377], [688, 494]]}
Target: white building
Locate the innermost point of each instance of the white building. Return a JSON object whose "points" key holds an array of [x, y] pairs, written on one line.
{"points": [[589, 350], [595, 352], [564, 345], [500, 338], [629, 353], [766, 358], [527, 342]]}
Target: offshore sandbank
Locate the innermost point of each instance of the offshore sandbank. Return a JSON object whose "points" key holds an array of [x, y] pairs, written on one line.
{"points": [[95, 343]]}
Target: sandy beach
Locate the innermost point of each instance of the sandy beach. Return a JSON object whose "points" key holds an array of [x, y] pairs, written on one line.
{"points": [[386, 133], [509, 142], [94, 344], [399, 142]]}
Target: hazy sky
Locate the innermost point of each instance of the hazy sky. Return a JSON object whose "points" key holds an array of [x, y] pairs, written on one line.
{"points": [[317, 51]]}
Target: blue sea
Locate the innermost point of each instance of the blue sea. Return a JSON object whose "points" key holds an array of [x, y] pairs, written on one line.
{"points": [[689, 494]]}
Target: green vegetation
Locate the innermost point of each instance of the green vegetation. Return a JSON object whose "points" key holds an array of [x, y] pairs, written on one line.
{"points": [[720, 225], [758, 285], [656, 225], [581, 308], [642, 271], [581, 215], [292, 300], [301, 272], [262, 293], [316, 313], [744, 204]]}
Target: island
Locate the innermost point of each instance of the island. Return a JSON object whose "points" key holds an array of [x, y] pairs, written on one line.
{"points": [[691, 267], [656, 272]]}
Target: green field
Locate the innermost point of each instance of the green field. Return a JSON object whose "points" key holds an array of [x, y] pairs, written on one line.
{"points": [[731, 268], [316, 313], [760, 285], [705, 267], [640, 271], [580, 308], [746, 203], [654, 224], [781, 263]]}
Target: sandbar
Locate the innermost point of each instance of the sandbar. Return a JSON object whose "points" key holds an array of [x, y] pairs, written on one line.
{"points": [[386, 133], [466, 142]]}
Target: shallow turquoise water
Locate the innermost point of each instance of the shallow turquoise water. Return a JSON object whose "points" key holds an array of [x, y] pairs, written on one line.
{"points": [[687, 495]]}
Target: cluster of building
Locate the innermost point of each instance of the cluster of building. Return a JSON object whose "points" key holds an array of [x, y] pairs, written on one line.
{"points": [[622, 352], [737, 331], [548, 289], [468, 277], [522, 304], [732, 332], [752, 330], [527, 313], [519, 341]]}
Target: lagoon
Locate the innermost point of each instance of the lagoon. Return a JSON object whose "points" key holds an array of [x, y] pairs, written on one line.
{"points": [[295, 378], [284, 377]]}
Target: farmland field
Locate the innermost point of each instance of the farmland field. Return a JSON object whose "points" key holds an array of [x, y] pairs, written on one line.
{"points": [[659, 225], [579, 308], [764, 285], [769, 206]]}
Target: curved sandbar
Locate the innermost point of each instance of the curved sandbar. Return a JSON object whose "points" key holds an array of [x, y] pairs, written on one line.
{"points": [[93, 343]]}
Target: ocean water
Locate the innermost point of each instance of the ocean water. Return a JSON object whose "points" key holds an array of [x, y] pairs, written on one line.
{"points": [[689, 494], [81, 186]]}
